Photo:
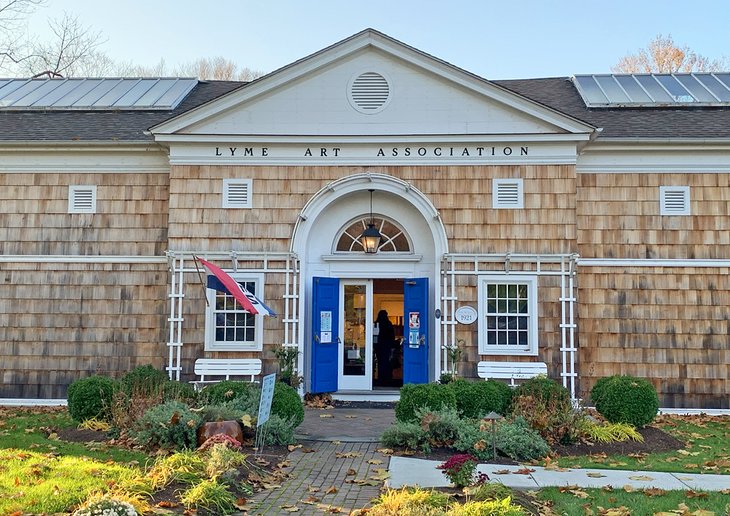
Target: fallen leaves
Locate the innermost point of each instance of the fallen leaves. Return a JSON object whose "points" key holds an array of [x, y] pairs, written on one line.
{"points": [[289, 508], [375, 461], [326, 416], [347, 455], [575, 491], [331, 490], [641, 478], [524, 471], [595, 475]]}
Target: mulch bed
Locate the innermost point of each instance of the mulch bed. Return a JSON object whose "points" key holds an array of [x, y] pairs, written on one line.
{"points": [[655, 441], [74, 435]]}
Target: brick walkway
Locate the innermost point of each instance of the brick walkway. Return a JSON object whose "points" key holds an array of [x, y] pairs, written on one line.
{"points": [[317, 467]]}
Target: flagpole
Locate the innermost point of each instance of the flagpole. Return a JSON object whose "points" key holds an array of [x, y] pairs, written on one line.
{"points": [[200, 277]]}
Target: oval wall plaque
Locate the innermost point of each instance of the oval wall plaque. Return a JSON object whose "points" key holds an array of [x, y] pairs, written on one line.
{"points": [[465, 315]]}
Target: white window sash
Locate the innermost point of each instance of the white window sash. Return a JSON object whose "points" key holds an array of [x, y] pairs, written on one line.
{"points": [[211, 344], [532, 315]]}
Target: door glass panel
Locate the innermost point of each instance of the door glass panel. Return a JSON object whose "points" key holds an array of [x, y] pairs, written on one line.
{"points": [[354, 356]]}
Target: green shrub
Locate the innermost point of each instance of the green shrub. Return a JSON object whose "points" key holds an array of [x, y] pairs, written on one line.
{"points": [[143, 378], [171, 425], [223, 412], [91, 397], [472, 439], [405, 435], [517, 440], [599, 388], [544, 388], [477, 399], [228, 390], [287, 404], [626, 399], [431, 396], [442, 426], [278, 431]]}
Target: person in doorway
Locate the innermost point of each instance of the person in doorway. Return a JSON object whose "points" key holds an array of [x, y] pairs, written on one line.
{"points": [[383, 347]]}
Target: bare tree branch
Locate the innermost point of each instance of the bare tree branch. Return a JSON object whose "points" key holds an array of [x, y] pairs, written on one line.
{"points": [[217, 69]]}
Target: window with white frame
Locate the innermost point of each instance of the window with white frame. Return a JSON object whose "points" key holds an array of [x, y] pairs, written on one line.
{"points": [[227, 326], [507, 315]]}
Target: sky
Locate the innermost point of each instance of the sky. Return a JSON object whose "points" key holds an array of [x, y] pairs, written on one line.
{"points": [[494, 39]]}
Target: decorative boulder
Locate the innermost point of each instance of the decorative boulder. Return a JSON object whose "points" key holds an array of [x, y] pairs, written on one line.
{"points": [[229, 428]]}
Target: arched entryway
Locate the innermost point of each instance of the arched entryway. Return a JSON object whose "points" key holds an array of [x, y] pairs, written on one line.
{"points": [[345, 273]]}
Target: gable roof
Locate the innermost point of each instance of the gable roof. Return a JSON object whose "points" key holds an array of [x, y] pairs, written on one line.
{"points": [[371, 38], [555, 96]]}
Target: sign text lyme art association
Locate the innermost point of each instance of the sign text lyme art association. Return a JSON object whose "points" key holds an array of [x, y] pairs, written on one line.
{"points": [[430, 151]]}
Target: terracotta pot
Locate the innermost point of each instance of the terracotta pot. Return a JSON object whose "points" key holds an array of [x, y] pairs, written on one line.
{"points": [[230, 428]]}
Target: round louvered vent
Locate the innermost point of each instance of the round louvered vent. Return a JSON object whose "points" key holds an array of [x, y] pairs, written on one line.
{"points": [[369, 92]]}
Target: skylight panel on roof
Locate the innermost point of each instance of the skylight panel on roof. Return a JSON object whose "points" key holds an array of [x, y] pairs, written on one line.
{"points": [[654, 90], [94, 94], [717, 88], [632, 87], [614, 92]]}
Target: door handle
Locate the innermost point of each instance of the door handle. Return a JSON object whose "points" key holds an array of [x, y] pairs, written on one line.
{"points": [[339, 341], [422, 340], [316, 338]]}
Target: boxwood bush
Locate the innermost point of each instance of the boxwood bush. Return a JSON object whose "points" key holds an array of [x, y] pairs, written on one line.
{"points": [[228, 390], [626, 399], [518, 440], [171, 425], [431, 396], [477, 399], [91, 397], [287, 404]]}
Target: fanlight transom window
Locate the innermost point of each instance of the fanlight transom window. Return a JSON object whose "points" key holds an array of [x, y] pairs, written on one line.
{"points": [[394, 238]]}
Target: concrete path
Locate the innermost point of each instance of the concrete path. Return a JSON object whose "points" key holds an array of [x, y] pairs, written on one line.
{"points": [[324, 477], [405, 471]]}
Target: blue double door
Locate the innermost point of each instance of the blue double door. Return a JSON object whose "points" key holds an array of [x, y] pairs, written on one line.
{"points": [[326, 341]]}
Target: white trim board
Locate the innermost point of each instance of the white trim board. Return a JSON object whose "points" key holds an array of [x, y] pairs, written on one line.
{"points": [[645, 158], [57, 258], [649, 262], [33, 402], [92, 159]]}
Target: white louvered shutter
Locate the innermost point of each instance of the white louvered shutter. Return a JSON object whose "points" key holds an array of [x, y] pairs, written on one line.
{"points": [[507, 193], [82, 199], [237, 193], [674, 200]]}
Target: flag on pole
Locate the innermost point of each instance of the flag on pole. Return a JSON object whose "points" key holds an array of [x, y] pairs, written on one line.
{"points": [[249, 302]]}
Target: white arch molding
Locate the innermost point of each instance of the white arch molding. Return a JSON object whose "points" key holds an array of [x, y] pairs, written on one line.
{"points": [[322, 218]]}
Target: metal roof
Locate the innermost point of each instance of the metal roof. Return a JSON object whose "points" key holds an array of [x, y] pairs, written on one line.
{"points": [[94, 94], [654, 89]]}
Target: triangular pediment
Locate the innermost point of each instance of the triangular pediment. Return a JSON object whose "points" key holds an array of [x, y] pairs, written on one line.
{"points": [[328, 94]]}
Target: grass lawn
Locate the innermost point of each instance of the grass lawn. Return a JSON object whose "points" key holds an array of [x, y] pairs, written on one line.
{"points": [[618, 502], [41, 474], [707, 449], [22, 428]]}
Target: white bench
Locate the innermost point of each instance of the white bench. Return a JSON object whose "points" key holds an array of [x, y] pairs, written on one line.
{"points": [[511, 370], [226, 367]]}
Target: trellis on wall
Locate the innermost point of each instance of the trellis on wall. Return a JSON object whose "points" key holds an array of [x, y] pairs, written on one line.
{"points": [[466, 268], [181, 265]]}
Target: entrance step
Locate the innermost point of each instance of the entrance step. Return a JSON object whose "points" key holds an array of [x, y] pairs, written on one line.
{"points": [[376, 396]]}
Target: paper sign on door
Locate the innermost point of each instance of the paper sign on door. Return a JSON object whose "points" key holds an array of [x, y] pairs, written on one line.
{"points": [[325, 327]]}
